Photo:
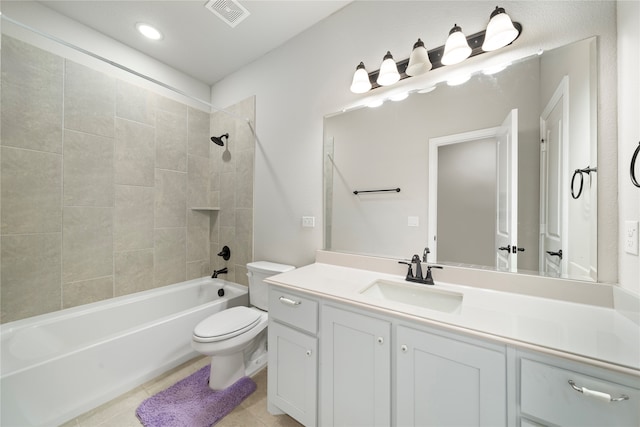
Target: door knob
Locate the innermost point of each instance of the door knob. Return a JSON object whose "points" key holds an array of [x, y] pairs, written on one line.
{"points": [[558, 254], [505, 248]]}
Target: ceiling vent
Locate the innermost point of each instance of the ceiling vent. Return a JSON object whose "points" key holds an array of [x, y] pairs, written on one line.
{"points": [[230, 11]]}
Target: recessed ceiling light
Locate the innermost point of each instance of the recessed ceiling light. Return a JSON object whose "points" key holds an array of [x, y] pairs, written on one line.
{"points": [[148, 31]]}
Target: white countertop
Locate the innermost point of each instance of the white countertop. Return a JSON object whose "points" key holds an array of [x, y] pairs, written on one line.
{"points": [[598, 334]]}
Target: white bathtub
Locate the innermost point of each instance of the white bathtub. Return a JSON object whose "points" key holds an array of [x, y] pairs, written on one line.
{"points": [[56, 366]]}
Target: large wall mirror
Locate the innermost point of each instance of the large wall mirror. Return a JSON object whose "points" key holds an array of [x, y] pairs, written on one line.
{"points": [[498, 172]]}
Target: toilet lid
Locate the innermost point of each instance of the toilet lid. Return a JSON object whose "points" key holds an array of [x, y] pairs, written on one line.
{"points": [[226, 324]]}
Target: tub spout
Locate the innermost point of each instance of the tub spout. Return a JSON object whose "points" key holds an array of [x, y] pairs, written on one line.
{"points": [[216, 272]]}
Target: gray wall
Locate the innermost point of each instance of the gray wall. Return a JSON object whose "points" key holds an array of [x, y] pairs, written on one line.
{"points": [[98, 177]]}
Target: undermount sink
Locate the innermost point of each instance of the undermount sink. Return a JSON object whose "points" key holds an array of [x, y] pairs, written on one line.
{"points": [[417, 295]]}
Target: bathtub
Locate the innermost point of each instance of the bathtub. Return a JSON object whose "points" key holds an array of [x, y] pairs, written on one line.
{"points": [[56, 366]]}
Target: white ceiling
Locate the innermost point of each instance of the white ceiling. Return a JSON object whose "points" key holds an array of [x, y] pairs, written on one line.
{"points": [[196, 41]]}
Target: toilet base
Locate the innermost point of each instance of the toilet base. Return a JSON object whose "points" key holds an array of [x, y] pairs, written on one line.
{"points": [[226, 370]]}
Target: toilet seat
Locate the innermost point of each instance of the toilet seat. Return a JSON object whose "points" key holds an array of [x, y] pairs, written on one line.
{"points": [[226, 324]]}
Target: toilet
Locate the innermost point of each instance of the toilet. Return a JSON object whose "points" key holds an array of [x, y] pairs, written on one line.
{"points": [[236, 338]]}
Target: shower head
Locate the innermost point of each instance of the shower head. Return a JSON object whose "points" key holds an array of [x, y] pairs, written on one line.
{"points": [[218, 139]]}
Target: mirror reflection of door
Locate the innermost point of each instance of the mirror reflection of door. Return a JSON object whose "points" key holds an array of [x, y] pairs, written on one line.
{"points": [[472, 201], [553, 182]]}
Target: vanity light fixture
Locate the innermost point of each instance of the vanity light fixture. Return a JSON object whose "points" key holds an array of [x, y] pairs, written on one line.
{"points": [[388, 71], [148, 31], [419, 62], [500, 31], [456, 48], [360, 82]]}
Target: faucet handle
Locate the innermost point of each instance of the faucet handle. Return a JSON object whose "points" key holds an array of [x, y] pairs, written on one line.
{"points": [[410, 271]]}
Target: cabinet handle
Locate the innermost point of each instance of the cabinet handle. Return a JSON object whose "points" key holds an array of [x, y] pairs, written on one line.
{"points": [[380, 340], [308, 353], [597, 394], [289, 301], [404, 348]]}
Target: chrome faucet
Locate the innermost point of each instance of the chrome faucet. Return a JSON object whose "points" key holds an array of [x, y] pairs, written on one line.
{"points": [[216, 272]]}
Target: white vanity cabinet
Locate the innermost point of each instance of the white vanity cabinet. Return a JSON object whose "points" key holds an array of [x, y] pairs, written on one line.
{"points": [[355, 374], [292, 384], [548, 398], [443, 379]]}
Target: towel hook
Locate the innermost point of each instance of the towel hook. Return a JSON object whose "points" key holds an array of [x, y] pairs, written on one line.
{"points": [[580, 172], [633, 166]]}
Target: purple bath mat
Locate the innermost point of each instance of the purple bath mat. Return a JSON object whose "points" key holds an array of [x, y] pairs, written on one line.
{"points": [[191, 403]]}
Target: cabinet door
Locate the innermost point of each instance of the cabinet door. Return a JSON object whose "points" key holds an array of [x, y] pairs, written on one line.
{"points": [[292, 376], [446, 382], [355, 374]]}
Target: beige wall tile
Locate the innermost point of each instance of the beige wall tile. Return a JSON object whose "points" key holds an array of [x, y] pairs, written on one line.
{"points": [[171, 141], [170, 199], [199, 137], [170, 256], [133, 271], [197, 269], [31, 268], [93, 110], [87, 291], [171, 106], [134, 153], [88, 170], [87, 243], [135, 103], [244, 179], [198, 182], [31, 191], [133, 218], [31, 102], [244, 134], [197, 243], [199, 218], [227, 200]]}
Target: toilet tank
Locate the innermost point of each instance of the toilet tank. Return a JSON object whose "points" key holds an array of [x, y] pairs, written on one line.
{"points": [[258, 289]]}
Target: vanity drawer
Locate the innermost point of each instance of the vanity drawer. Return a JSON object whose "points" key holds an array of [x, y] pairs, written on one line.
{"points": [[293, 309], [545, 394]]}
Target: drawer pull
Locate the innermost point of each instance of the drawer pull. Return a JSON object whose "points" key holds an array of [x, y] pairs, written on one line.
{"points": [[308, 353], [289, 301], [597, 394]]}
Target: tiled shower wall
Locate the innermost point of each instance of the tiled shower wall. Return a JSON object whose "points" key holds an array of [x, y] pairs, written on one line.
{"points": [[98, 178]]}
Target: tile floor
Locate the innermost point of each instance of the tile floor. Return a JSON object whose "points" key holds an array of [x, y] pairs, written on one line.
{"points": [[121, 412]]}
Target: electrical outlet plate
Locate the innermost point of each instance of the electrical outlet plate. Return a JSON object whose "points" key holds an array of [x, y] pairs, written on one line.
{"points": [[309, 221], [631, 237]]}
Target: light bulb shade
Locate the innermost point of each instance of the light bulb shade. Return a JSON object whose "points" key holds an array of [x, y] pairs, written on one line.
{"points": [[419, 60], [456, 49], [500, 31], [361, 82], [388, 74]]}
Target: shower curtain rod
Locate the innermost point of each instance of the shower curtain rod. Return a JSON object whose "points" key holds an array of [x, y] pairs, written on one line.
{"points": [[127, 69]]}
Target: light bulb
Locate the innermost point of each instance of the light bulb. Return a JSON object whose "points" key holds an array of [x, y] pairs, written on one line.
{"points": [[360, 82], [456, 49], [388, 74]]}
